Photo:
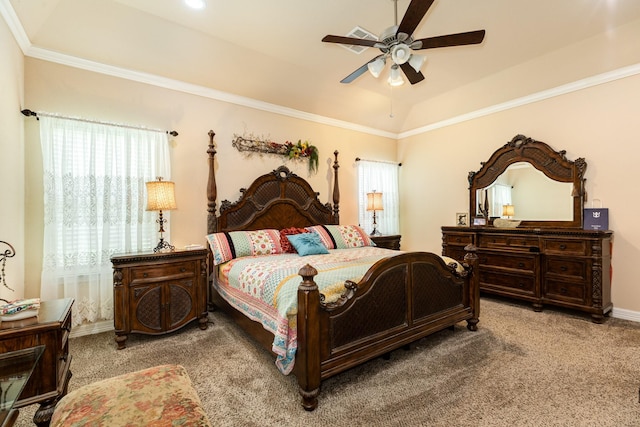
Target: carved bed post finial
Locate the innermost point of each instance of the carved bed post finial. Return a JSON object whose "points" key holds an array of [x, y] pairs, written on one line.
{"points": [[336, 190], [212, 190]]}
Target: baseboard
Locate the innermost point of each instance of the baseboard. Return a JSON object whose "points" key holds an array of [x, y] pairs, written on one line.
{"points": [[621, 313], [92, 328]]}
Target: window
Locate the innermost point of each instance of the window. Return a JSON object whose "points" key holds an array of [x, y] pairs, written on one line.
{"points": [[94, 207], [381, 177]]}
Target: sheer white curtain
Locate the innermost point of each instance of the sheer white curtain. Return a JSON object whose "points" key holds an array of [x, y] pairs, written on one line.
{"points": [[94, 207], [383, 178]]}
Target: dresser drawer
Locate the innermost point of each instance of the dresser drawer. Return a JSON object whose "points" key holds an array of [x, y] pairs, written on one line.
{"points": [[508, 260], [458, 238], [565, 247], [569, 268], [511, 242], [164, 271], [564, 291], [493, 280]]}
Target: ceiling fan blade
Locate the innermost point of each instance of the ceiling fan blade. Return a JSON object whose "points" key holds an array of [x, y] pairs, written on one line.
{"points": [[350, 41], [414, 14], [360, 71], [413, 76], [471, 37]]}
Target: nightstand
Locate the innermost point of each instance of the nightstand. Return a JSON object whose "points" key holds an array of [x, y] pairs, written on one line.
{"points": [[158, 293], [387, 242]]}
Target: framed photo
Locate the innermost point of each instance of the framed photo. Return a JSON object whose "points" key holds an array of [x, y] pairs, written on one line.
{"points": [[462, 219], [479, 221]]}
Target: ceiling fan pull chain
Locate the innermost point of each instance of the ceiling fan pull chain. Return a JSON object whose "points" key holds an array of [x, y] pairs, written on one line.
{"points": [[391, 102]]}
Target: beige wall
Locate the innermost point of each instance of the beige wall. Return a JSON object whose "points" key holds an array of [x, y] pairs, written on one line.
{"points": [[69, 91], [598, 123], [12, 161]]}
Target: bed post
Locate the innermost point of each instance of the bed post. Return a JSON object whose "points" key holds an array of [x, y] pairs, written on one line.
{"points": [[212, 221], [212, 191], [307, 363], [336, 190], [472, 259]]}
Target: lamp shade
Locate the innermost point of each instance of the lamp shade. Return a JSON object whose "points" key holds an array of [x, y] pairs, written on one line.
{"points": [[374, 201], [508, 210], [160, 195], [416, 62], [395, 78], [376, 67]]}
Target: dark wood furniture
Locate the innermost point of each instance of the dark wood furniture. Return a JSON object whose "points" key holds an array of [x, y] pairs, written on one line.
{"points": [[387, 241], [50, 378], [16, 368], [157, 293], [399, 300], [546, 262]]}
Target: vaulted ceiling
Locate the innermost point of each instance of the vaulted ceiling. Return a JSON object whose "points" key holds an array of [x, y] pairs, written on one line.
{"points": [[271, 51]]}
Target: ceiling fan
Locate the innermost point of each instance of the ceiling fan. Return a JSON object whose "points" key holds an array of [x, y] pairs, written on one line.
{"points": [[398, 44]]}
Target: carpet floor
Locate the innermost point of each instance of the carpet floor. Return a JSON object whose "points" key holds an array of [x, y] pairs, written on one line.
{"points": [[521, 368]]}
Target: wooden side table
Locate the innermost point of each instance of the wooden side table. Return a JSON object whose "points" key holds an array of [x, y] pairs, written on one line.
{"points": [[50, 378], [157, 293], [387, 242]]}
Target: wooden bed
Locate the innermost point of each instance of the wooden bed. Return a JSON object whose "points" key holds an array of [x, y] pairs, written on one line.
{"points": [[399, 300]]}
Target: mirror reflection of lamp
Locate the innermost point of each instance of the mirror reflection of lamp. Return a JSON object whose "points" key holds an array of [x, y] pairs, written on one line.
{"points": [[161, 197], [374, 203], [508, 211]]}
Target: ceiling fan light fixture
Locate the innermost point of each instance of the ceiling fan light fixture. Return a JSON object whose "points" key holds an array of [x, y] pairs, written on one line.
{"points": [[376, 67], [417, 61], [400, 53], [395, 78]]}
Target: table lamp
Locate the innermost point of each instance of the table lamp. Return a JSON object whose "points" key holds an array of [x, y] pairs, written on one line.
{"points": [[161, 196]]}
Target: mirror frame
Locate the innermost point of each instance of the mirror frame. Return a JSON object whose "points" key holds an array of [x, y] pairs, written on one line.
{"points": [[554, 164]]}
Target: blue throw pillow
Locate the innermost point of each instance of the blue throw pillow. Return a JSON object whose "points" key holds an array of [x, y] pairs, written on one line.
{"points": [[307, 244]]}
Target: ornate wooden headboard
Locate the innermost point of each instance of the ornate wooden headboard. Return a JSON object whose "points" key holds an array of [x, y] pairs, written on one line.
{"points": [[278, 199]]}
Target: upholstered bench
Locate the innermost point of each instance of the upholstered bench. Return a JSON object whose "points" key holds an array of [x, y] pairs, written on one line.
{"points": [[158, 396]]}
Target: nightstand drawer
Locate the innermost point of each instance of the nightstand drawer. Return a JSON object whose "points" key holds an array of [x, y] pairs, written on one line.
{"points": [[163, 271], [571, 268]]}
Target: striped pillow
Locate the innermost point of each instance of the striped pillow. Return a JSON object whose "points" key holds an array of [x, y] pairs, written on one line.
{"points": [[236, 244], [342, 236]]}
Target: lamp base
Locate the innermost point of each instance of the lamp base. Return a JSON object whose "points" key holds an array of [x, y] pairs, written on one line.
{"points": [[164, 246], [375, 232]]}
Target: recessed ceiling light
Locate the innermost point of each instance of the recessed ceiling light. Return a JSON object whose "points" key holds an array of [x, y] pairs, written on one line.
{"points": [[195, 4]]}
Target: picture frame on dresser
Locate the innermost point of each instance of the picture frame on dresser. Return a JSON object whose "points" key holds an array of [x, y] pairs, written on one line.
{"points": [[462, 219]]}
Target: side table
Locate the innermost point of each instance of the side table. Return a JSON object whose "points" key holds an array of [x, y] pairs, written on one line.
{"points": [[52, 373], [387, 241]]}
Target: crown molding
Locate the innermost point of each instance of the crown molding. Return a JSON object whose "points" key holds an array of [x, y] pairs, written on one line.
{"points": [[585, 83], [9, 15]]}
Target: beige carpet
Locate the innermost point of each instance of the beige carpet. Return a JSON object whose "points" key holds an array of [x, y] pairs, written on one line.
{"points": [[520, 368]]}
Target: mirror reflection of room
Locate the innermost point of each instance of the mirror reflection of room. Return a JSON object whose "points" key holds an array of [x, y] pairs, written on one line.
{"points": [[531, 194]]}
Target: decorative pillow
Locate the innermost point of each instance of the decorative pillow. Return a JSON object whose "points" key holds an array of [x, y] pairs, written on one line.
{"points": [[284, 242], [307, 244], [342, 236], [236, 244], [459, 268]]}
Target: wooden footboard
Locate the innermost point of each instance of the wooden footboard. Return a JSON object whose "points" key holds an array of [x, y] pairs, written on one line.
{"points": [[400, 300]]}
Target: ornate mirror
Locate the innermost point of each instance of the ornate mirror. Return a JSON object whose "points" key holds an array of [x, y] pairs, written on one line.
{"points": [[527, 180]]}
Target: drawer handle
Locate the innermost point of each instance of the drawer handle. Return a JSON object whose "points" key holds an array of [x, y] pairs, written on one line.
{"points": [[521, 264], [182, 270], [563, 268], [458, 240], [520, 285], [563, 290], [563, 247], [145, 274]]}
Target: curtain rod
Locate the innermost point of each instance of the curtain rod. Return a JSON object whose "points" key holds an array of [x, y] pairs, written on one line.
{"points": [[30, 113], [377, 161]]}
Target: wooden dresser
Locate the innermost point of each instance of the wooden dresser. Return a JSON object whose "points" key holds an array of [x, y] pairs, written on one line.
{"points": [[562, 267], [50, 378], [156, 293]]}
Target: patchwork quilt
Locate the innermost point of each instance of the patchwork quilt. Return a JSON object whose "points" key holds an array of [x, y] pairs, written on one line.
{"points": [[265, 288]]}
